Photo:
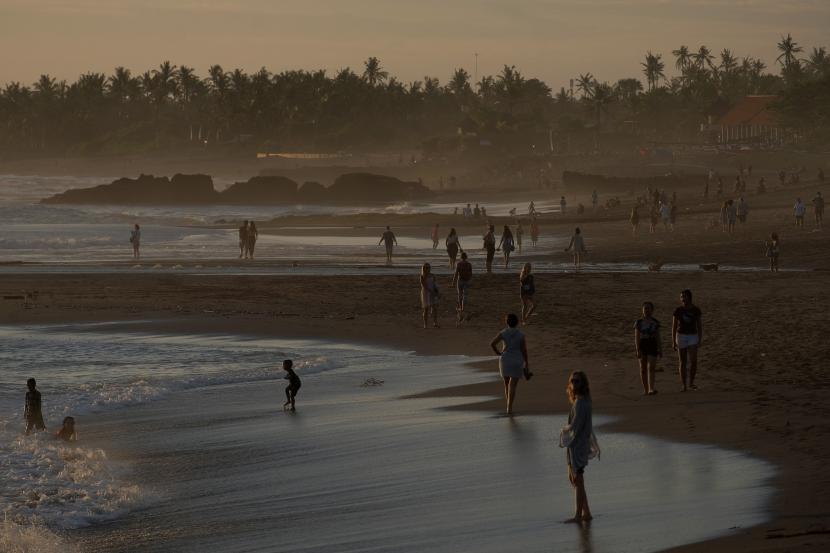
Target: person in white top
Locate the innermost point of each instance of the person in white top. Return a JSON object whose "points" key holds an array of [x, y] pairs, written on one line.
{"points": [[577, 246], [135, 240], [800, 210]]}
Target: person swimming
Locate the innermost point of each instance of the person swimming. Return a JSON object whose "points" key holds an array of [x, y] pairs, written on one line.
{"points": [[67, 432], [294, 384]]}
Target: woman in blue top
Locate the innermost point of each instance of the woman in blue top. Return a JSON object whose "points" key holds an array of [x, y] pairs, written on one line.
{"points": [[512, 358], [580, 431]]}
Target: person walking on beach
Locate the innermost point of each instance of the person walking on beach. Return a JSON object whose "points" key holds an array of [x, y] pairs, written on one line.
{"points": [[519, 233], [578, 437], [731, 216], [665, 215], [293, 387], [453, 245], [687, 335], [531, 209], [527, 289], [818, 209], [724, 216], [389, 240], [434, 236], [594, 200], [742, 210], [135, 240], [243, 240], [577, 246], [513, 362], [635, 221], [429, 295], [461, 280], [772, 250], [562, 205], [506, 244], [534, 232], [251, 238], [800, 210], [653, 217], [490, 247], [32, 408], [648, 347], [67, 432]]}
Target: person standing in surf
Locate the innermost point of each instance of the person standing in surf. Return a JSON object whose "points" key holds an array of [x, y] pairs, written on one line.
{"points": [[519, 233], [648, 347], [577, 246], [578, 438], [490, 247], [434, 236], [32, 409], [243, 240], [388, 239], [251, 238], [429, 295], [534, 232], [293, 387], [135, 240], [635, 221], [513, 362], [506, 244], [453, 245], [687, 335]]}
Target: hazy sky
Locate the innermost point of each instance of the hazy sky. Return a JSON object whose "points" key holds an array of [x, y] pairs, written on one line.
{"points": [[550, 39]]}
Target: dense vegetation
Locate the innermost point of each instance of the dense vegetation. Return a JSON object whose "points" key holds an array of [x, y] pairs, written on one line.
{"points": [[172, 108]]}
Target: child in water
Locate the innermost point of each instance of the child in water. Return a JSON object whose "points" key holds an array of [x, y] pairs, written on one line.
{"points": [[32, 412], [293, 384], [67, 432]]}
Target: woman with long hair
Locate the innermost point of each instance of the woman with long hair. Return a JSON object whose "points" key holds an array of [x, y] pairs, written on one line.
{"points": [[429, 295], [687, 335], [453, 245], [579, 441], [506, 244], [527, 289], [513, 362]]}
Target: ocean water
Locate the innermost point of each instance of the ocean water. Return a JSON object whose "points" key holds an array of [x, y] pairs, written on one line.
{"points": [[184, 447]]}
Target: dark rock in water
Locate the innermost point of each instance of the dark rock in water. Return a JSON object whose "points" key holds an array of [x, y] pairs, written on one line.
{"points": [[367, 187], [312, 191], [261, 190], [354, 188], [145, 190]]}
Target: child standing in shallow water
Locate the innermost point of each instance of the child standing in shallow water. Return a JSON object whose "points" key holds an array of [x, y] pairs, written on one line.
{"points": [[32, 409], [294, 384], [67, 432]]}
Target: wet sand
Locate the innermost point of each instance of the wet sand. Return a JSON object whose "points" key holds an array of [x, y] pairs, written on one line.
{"points": [[763, 369]]}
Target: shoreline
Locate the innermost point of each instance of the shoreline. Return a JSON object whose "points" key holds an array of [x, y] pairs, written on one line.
{"points": [[750, 417]]}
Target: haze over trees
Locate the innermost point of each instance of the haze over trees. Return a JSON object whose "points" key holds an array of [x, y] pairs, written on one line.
{"points": [[172, 108]]}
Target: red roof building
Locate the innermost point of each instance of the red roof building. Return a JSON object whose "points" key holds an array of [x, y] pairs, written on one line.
{"points": [[752, 119]]}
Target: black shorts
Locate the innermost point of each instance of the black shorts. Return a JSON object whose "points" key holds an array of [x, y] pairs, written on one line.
{"points": [[648, 348]]}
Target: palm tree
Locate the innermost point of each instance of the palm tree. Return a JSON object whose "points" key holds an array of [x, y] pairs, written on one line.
{"points": [[653, 69], [683, 58], [703, 58], [165, 82], [459, 84], [819, 62], [788, 48], [585, 84], [373, 72], [728, 63]]}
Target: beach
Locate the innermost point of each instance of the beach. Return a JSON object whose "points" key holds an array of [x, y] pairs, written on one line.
{"points": [[216, 326]]}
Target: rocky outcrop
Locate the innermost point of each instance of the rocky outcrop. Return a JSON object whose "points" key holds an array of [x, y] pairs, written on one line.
{"points": [[355, 188], [368, 187], [261, 190], [145, 190]]}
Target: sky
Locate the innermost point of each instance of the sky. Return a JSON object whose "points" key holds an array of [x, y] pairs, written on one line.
{"points": [[553, 40]]}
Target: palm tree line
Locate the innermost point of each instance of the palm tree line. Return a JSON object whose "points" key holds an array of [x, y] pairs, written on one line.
{"points": [[172, 107]]}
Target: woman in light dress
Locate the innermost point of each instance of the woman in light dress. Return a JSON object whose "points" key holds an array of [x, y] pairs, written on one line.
{"points": [[513, 363], [429, 295]]}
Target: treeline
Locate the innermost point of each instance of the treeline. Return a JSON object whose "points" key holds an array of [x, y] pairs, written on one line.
{"points": [[172, 107]]}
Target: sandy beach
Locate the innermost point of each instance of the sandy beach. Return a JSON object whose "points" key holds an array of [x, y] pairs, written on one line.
{"points": [[756, 395]]}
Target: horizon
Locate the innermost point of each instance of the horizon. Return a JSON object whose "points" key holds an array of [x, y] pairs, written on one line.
{"points": [[410, 41]]}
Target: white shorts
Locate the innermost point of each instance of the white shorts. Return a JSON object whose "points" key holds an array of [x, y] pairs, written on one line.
{"points": [[686, 340]]}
